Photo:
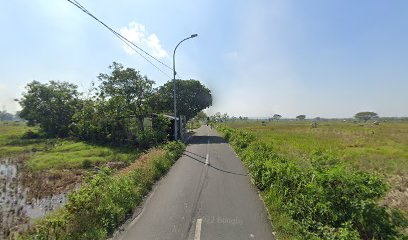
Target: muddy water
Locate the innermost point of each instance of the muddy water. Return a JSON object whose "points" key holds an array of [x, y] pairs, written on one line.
{"points": [[16, 210]]}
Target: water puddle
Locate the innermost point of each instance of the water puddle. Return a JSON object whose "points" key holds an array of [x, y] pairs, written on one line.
{"points": [[16, 210]]}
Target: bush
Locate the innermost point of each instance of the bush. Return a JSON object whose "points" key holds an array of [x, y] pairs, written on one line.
{"points": [[146, 138], [32, 135], [326, 198], [174, 150]]}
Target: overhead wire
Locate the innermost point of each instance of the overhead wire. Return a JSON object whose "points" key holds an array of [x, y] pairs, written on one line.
{"points": [[129, 43]]}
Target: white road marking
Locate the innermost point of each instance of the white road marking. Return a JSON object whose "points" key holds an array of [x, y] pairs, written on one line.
{"points": [[197, 235], [207, 158]]}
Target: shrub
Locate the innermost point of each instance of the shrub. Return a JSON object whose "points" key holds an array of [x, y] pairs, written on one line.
{"points": [[146, 138], [32, 135]]}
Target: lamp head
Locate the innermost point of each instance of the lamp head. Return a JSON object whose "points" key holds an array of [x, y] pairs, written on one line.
{"points": [[194, 35]]}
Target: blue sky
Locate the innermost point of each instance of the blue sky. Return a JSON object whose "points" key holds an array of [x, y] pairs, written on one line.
{"points": [[319, 58]]}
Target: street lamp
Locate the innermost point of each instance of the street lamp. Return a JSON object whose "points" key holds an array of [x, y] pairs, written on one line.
{"points": [[174, 84]]}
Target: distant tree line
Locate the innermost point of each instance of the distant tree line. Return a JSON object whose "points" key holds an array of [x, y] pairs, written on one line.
{"points": [[115, 108], [360, 116], [6, 116]]}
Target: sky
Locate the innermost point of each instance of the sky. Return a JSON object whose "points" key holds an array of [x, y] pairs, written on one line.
{"points": [[260, 57]]}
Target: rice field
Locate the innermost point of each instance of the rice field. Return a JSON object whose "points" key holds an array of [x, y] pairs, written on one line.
{"points": [[381, 148]]}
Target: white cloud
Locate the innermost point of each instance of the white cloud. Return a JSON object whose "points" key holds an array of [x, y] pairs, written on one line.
{"points": [[138, 34]]}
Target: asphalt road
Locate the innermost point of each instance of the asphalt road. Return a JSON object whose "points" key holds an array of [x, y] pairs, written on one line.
{"points": [[205, 196]]}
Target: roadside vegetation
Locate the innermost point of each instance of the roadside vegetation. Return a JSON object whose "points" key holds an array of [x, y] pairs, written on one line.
{"points": [[313, 183], [105, 200]]}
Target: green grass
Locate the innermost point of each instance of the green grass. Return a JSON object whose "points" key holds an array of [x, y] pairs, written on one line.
{"points": [[11, 142], [70, 154], [58, 153], [382, 148]]}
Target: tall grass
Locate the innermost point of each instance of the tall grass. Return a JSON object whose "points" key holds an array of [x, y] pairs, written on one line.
{"points": [[318, 196], [382, 148]]}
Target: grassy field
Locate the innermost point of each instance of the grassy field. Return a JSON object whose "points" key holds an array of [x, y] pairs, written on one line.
{"points": [[290, 175], [58, 153], [11, 142], [382, 148]]}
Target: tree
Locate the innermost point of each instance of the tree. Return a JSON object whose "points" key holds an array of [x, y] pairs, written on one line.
{"points": [[91, 122], [301, 117], [51, 105], [126, 92], [276, 117], [192, 97], [225, 117], [365, 116]]}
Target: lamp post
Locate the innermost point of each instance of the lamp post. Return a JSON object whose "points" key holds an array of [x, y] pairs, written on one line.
{"points": [[174, 84]]}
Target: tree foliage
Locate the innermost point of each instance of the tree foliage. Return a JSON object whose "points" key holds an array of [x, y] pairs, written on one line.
{"points": [[115, 110], [192, 97], [126, 92], [277, 117], [51, 105], [301, 117], [365, 116]]}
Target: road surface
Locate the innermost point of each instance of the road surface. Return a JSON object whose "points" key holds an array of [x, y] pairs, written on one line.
{"points": [[206, 195]]}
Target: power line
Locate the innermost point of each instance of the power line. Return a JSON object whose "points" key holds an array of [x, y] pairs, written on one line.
{"points": [[77, 4], [130, 44]]}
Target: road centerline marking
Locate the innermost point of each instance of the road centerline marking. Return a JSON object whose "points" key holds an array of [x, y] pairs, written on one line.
{"points": [[197, 235]]}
